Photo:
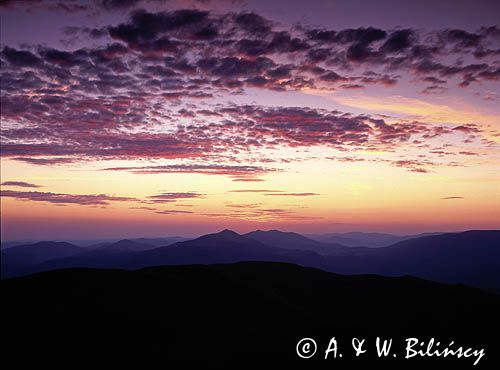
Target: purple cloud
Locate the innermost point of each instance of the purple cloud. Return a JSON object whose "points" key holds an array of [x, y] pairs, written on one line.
{"points": [[173, 212], [20, 184], [172, 197], [255, 191], [80, 199], [292, 194], [106, 101], [205, 169]]}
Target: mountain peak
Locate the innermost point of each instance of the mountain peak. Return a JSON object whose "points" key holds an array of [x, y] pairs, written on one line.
{"points": [[224, 235], [227, 232], [275, 233], [124, 245]]}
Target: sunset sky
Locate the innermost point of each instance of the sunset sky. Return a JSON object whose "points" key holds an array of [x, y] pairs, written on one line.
{"points": [[153, 118]]}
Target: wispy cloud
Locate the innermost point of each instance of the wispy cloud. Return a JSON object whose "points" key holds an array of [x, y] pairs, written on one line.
{"points": [[57, 198], [204, 169], [173, 212], [50, 161], [255, 191], [248, 180], [20, 184], [172, 197], [247, 205], [144, 208], [262, 215], [292, 194]]}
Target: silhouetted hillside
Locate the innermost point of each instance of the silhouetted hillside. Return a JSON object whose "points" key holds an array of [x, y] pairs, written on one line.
{"points": [[360, 239], [136, 244], [471, 258], [127, 245], [160, 242], [223, 247], [289, 240], [14, 243], [250, 312], [16, 259]]}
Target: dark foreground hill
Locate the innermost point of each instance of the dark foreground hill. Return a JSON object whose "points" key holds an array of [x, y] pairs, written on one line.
{"points": [[244, 312]]}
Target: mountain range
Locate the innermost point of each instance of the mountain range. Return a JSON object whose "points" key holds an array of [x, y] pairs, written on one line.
{"points": [[360, 239], [471, 257]]}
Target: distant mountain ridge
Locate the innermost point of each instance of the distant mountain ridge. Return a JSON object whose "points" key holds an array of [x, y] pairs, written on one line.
{"points": [[126, 245], [147, 243], [471, 257], [362, 239], [17, 259], [294, 241]]}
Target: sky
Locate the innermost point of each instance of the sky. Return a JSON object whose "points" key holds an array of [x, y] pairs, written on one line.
{"points": [[128, 118]]}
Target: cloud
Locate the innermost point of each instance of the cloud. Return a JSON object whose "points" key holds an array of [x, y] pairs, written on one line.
{"points": [[205, 169], [117, 4], [298, 126], [20, 58], [248, 50], [292, 194], [67, 6], [248, 211], [20, 184], [229, 130], [172, 197], [144, 208], [255, 191], [263, 215], [346, 159], [241, 127], [419, 165], [56, 198], [248, 180], [173, 212], [257, 212], [248, 205], [92, 7], [135, 89], [253, 23], [147, 27], [468, 129], [445, 198], [45, 161], [399, 41], [251, 34], [413, 165]]}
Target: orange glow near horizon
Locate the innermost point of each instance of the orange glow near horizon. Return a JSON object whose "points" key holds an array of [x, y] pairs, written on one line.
{"points": [[348, 196]]}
